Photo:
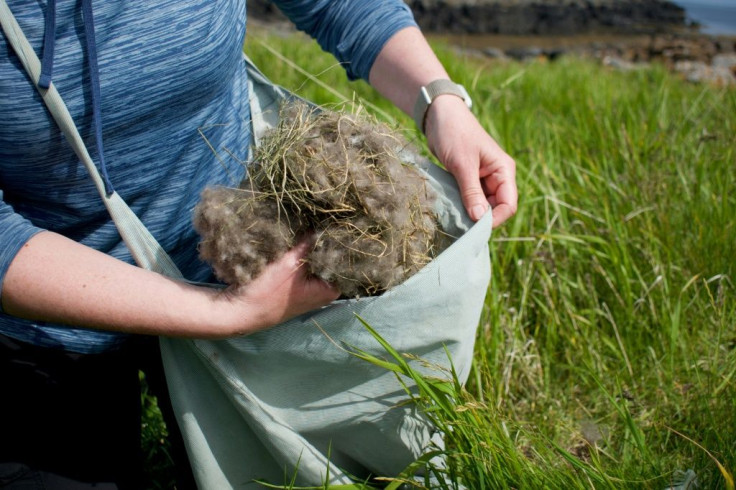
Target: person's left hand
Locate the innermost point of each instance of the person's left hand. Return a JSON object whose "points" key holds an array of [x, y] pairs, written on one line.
{"points": [[484, 172]]}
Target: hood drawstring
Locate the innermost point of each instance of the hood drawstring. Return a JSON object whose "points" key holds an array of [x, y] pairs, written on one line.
{"points": [[47, 67], [49, 41]]}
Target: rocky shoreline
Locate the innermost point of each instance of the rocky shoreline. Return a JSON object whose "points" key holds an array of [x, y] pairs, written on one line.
{"points": [[697, 58], [623, 34], [526, 17], [545, 17]]}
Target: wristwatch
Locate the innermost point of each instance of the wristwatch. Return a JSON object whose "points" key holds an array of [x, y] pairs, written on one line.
{"points": [[431, 91]]}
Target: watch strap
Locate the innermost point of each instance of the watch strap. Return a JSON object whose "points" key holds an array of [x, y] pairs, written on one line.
{"points": [[431, 91]]}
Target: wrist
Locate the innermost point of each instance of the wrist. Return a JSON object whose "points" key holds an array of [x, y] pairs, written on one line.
{"points": [[437, 89], [196, 311], [228, 314], [445, 110]]}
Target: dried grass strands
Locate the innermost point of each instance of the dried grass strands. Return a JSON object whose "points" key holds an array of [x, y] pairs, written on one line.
{"points": [[338, 176]]}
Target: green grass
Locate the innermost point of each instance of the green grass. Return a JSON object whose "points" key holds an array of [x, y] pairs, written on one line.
{"points": [[606, 354]]}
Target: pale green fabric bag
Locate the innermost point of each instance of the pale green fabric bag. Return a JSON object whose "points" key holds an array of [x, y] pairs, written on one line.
{"points": [[261, 406], [290, 401]]}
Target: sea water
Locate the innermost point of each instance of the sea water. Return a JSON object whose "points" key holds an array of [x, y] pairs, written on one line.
{"points": [[715, 16]]}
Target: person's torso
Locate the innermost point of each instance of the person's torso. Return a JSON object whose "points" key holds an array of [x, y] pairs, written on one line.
{"points": [[173, 89]]}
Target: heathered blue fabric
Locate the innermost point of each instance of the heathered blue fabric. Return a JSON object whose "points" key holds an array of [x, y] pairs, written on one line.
{"points": [[173, 84]]}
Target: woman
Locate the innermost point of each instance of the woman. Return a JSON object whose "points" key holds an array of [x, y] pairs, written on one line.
{"points": [[77, 316]]}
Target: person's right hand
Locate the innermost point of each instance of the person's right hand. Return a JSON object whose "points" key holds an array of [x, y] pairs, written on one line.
{"points": [[282, 291], [486, 175]]}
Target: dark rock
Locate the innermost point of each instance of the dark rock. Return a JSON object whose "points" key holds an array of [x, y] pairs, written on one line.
{"points": [[726, 45], [530, 16], [547, 16], [524, 52], [495, 53]]}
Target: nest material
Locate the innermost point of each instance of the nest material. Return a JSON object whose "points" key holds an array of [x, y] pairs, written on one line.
{"points": [[338, 176]]}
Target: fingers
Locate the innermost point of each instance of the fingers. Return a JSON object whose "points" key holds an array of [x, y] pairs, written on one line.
{"points": [[287, 286], [485, 174], [502, 192], [474, 199], [501, 213], [294, 257], [506, 205], [313, 289], [319, 291], [487, 177]]}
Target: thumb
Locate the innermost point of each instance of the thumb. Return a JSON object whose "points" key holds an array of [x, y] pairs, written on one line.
{"points": [[474, 199]]}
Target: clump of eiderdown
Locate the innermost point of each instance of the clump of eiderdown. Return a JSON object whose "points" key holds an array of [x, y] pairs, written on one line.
{"points": [[339, 177]]}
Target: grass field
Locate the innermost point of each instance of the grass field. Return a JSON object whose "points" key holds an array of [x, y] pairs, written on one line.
{"points": [[606, 354]]}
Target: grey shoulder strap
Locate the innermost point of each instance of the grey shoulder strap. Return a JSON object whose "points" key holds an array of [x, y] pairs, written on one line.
{"points": [[144, 248]]}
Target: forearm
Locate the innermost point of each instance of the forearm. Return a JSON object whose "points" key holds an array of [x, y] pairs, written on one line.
{"points": [[57, 280], [484, 172], [405, 64]]}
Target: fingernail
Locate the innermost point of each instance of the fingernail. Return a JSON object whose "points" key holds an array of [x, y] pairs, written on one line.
{"points": [[477, 211]]}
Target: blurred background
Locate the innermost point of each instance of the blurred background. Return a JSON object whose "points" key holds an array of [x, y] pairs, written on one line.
{"points": [[696, 38]]}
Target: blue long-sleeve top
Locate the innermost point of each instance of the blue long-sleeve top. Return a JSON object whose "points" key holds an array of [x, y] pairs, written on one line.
{"points": [[173, 85]]}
